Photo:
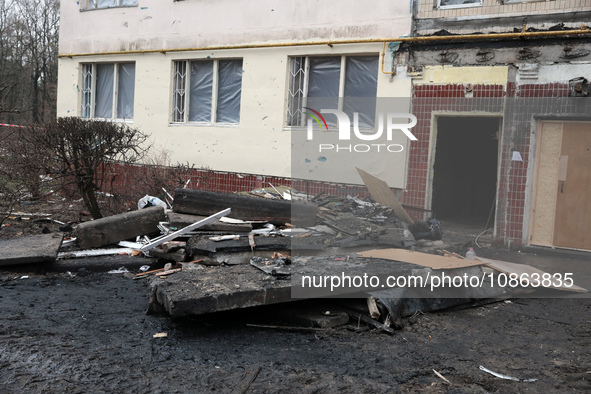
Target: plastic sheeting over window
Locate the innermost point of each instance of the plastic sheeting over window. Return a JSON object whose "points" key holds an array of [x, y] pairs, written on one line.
{"points": [[104, 90], [126, 89], [325, 82], [106, 3], [214, 91], [108, 90], [229, 91], [200, 91], [361, 87]]}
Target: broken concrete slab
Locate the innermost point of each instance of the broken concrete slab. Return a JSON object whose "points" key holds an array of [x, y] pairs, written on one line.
{"points": [[102, 263], [235, 258], [41, 248], [112, 229], [198, 202], [201, 245], [183, 220], [276, 267], [214, 289]]}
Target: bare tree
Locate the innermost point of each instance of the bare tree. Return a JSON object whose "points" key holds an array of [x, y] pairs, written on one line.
{"points": [[28, 60], [78, 150]]}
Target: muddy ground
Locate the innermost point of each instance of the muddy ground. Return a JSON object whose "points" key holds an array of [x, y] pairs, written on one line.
{"points": [[89, 333]]}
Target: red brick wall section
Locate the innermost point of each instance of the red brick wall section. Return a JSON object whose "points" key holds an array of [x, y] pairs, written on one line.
{"points": [[131, 178], [521, 105]]}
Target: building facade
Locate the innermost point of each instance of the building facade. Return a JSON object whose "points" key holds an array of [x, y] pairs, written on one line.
{"points": [[498, 89], [499, 116], [222, 84]]}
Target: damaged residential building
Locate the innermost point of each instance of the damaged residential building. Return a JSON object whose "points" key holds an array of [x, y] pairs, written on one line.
{"points": [[222, 84], [500, 93], [498, 89]]}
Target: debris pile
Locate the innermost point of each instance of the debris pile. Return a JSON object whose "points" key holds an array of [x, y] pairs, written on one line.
{"points": [[217, 251]]}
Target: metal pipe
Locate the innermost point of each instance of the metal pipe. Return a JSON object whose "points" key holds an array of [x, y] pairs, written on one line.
{"points": [[384, 60], [479, 37]]}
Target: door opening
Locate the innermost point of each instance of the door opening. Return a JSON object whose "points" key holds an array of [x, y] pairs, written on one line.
{"points": [[465, 170]]}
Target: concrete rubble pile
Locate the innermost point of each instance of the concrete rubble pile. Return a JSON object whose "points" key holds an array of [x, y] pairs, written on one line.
{"points": [[219, 252]]}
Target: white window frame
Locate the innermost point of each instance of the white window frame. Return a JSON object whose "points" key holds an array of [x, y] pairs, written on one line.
{"points": [[477, 3], [93, 5], [181, 92], [522, 1], [298, 112], [88, 95]]}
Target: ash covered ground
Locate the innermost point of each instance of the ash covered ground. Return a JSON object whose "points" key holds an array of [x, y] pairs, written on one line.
{"points": [[90, 333]]}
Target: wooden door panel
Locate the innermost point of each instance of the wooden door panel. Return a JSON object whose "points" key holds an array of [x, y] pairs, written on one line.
{"points": [[572, 225]]}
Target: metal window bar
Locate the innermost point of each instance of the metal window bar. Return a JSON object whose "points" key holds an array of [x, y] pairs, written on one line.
{"points": [[86, 107], [179, 91], [297, 83]]}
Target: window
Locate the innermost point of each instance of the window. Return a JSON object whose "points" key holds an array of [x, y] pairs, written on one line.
{"points": [[320, 81], [458, 3], [108, 90], [521, 1], [207, 91], [94, 4]]}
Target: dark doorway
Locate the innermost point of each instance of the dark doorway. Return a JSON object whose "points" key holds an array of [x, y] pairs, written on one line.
{"points": [[465, 169]]}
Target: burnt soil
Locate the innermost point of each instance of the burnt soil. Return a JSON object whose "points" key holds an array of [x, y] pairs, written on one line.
{"points": [[90, 333]]}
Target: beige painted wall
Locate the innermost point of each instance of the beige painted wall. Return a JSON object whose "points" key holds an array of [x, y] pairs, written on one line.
{"points": [[488, 75], [260, 144], [156, 24]]}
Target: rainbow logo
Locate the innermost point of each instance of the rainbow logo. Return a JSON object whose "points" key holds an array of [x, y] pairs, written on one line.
{"points": [[315, 115]]}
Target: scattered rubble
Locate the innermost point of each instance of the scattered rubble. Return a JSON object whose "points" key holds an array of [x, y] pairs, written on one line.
{"points": [[219, 252]]}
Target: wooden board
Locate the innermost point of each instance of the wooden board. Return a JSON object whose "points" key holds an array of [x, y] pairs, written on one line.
{"points": [[572, 227], [527, 271], [381, 192], [546, 179], [423, 259]]}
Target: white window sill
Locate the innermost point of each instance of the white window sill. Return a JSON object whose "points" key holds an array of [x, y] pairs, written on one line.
{"points": [[130, 121], [335, 129], [108, 8], [521, 1], [194, 124], [454, 6]]}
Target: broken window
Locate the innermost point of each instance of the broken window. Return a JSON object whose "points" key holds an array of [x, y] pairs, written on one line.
{"points": [[207, 91], [321, 81], [108, 90], [458, 3], [94, 4]]}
